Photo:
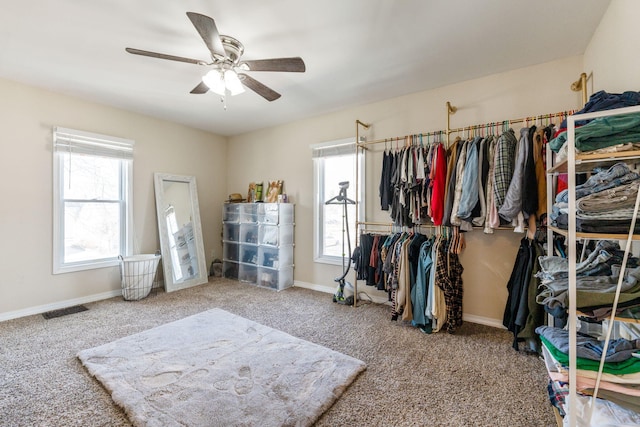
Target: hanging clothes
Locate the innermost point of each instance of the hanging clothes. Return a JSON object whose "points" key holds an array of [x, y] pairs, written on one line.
{"points": [[457, 193], [403, 296], [536, 312], [453, 293], [453, 154], [438, 305], [480, 212], [503, 167], [385, 188], [492, 211], [516, 312], [419, 292], [539, 158], [469, 185], [438, 175], [529, 180], [511, 208]]}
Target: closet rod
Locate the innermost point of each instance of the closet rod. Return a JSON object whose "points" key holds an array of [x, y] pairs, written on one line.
{"points": [[391, 225], [560, 114], [382, 224], [402, 138]]}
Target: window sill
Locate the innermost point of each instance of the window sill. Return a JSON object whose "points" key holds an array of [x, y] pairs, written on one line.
{"points": [[92, 265], [330, 260]]}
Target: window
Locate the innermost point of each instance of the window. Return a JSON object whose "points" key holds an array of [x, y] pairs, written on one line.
{"points": [[92, 200], [335, 162]]}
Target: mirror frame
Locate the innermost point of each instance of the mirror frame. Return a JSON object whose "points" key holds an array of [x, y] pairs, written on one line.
{"points": [[167, 265]]}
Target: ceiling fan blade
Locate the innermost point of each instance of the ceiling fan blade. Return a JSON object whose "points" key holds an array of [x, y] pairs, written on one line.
{"points": [[207, 29], [201, 88], [262, 90], [294, 65], [163, 56]]}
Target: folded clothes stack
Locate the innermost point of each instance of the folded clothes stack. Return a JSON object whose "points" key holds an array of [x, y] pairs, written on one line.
{"points": [[605, 202], [596, 279], [619, 385]]}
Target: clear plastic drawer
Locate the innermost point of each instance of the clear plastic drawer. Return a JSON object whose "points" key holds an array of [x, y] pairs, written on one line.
{"points": [[249, 233], [249, 254], [275, 279], [248, 273], [231, 252], [230, 270], [276, 213], [231, 212], [275, 235], [249, 212], [231, 232], [275, 257]]}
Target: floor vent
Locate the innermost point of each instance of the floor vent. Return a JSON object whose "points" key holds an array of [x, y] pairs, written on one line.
{"points": [[64, 311]]}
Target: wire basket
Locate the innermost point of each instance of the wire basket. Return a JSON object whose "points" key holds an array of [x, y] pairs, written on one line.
{"points": [[137, 273]]}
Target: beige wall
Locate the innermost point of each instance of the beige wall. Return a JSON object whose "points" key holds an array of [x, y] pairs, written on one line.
{"points": [[27, 116], [283, 152], [611, 60]]}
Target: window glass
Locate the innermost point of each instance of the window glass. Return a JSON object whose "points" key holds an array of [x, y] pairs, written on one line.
{"points": [[92, 231], [334, 165], [338, 169], [91, 177], [92, 192]]}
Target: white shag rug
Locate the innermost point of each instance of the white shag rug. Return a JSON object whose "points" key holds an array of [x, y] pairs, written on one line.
{"points": [[219, 369]]}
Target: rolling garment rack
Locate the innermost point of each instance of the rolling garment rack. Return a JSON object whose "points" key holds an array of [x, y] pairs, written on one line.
{"points": [[363, 225]]}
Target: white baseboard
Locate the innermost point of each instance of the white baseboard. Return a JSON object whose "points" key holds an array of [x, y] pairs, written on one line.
{"points": [[496, 323], [315, 287], [58, 305], [483, 320]]}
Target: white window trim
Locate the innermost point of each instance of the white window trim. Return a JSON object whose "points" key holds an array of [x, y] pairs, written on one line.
{"points": [[337, 146], [80, 141]]}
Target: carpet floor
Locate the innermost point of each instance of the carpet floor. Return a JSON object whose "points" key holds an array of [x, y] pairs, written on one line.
{"points": [[471, 378]]}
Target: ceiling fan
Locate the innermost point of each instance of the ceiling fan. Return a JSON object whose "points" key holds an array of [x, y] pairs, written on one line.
{"points": [[227, 72]]}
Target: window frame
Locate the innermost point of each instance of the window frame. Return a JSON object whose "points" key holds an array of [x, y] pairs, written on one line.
{"points": [[74, 143], [321, 152]]}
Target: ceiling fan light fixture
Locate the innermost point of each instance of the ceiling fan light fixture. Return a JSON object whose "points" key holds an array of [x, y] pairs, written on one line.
{"points": [[226, 53], [233, 83], [215, 81]]}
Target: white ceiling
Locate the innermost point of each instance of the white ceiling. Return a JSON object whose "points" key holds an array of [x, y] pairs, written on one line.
{"points": [[356, 51]]}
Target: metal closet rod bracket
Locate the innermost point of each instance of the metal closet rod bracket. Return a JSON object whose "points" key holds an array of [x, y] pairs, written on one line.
{"points": [[581, 85], [360, 143], [450, 110]]}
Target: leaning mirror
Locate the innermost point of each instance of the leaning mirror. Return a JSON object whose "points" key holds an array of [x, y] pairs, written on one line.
{"points": [[183, 260]]}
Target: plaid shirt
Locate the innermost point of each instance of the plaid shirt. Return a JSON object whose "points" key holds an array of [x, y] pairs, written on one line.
{"points": [[452, 286], [558, 393], [503, 165]]}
